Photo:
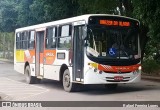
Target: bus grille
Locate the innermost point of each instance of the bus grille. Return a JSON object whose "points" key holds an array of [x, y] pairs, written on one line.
{"points": [[117, 72]]}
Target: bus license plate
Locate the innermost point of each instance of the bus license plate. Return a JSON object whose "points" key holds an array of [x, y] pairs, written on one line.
{"points": [[118, 78]]}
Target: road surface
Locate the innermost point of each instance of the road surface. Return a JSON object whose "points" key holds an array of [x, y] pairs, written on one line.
{"points": [[14, 88]]}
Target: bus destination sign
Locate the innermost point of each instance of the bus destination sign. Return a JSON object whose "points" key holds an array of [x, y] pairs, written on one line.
{"points": [[115, 23]]}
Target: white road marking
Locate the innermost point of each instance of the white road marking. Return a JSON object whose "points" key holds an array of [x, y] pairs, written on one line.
{"points": [[25, 83], [18, 90], [33, 95]]}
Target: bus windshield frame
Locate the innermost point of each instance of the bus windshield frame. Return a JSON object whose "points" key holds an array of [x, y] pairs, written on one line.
{"points": [[113, 45]]}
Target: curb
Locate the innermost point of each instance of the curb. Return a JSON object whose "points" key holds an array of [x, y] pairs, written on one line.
{"points": [[6, 60], [151, 78]]}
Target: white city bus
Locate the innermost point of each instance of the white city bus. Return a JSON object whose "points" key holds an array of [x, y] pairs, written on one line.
{"points": [[87, 49]]}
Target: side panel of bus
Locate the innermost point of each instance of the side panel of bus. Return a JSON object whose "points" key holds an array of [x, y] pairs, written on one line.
{"points": [[24, 51], [47, 62], [57, 49]]}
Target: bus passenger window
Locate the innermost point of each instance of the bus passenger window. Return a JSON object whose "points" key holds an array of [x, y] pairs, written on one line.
{"points": [[31, 40], [18, 40], [64, 37], [25, 40], [51, 37], [65, 42]]}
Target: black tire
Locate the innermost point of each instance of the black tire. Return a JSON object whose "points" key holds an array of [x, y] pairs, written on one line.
{"points": [[111, 86], [67, 85], [29, 79]]}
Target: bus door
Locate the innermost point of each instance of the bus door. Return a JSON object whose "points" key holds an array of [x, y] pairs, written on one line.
{"points": [[39, 45], [78, 54]]}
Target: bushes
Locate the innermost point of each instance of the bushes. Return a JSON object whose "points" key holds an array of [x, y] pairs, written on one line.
{"points": [[150, 66], [6, 45]]}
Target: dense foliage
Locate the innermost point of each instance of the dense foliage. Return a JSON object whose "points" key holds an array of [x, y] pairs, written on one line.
{"points": [[20, 13]]}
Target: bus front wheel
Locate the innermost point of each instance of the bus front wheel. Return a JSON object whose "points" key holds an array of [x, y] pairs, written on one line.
{"points": [[29, 79], [67, 84]]}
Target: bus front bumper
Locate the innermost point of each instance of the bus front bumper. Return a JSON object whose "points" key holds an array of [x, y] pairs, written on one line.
{"points": [[92, 77]]}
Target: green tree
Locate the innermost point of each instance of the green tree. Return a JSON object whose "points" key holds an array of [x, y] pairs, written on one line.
{"points": [[8, 15], [24, 13], [20, 13], [148, 13], [97, 6], [49, 10]]}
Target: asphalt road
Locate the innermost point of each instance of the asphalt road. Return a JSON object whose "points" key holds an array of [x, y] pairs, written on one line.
{"points": [[14, 88]]}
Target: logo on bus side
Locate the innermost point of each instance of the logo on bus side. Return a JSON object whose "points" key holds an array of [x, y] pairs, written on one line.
{"points": [[49, 54]]}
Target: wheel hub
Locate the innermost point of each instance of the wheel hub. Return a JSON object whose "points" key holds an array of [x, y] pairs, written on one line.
{"points": [[67, 81]]}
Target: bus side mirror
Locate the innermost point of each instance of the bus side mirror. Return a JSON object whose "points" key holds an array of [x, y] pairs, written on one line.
{"points": [[85, 43]]}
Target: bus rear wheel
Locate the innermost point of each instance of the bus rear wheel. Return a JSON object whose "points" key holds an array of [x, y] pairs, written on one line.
{"points": [[111, 86], [29, 79], [67, 84]]}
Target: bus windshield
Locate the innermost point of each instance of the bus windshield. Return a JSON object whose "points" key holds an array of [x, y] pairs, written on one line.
{"points": [[112, 42]]}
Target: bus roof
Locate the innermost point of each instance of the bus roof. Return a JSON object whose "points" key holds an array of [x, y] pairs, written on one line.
{"points": [[65, 21]]}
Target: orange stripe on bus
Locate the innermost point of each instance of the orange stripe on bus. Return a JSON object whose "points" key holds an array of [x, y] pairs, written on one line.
{"points": [[49, 56], [118, 68]]}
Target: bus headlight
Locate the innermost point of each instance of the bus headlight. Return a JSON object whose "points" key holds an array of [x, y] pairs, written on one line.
{"points": [[140, 68]]}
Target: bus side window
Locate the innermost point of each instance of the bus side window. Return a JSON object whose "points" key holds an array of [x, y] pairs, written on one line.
{"points": [[18, 40], [51, 37], [25, 40], [31, 40], [64, 37], [21, 46]]}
